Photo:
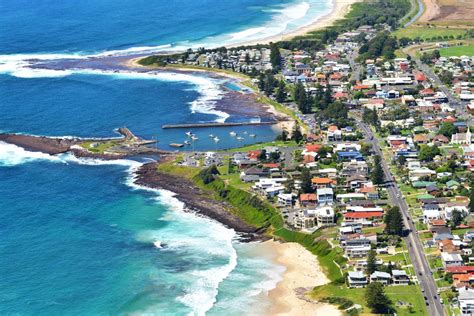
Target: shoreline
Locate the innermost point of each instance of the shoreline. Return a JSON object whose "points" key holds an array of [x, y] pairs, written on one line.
{"points": [[284, 120], [338, 11], [303, 273], [196, 199]]}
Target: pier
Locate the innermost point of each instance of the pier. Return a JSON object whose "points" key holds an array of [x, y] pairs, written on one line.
{"points": [[215, 124]]}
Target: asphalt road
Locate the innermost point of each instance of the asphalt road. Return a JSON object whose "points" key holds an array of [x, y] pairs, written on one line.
{"points": [[414, 245], [421, 9]]}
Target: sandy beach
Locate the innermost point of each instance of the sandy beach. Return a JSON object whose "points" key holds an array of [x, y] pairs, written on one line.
{"points": [[303, 272], [339, 10]]}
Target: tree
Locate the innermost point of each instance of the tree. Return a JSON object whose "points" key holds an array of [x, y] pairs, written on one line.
{"points": [[263, 155], [456, 218], [471, 198], [297, 136], [447, 129], [427, 153], [371, 262], [376, 298], [446, 77], [281, 93], [377, 175], [394, 221], [306, 185], [208, 175], [402, 160], [275, 56]]}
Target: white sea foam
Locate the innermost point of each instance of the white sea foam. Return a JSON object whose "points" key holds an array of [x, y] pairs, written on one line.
{"points": [[12, 155], [195, 234]]}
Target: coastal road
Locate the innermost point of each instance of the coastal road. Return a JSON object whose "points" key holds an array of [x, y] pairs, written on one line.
{"points": [[421, 9], [414, 245]]}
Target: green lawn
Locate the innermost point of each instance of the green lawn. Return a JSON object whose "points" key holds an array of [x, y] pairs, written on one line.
{"points": [[407, 294], [428, 33], [401, 258], [100, 147], [467, 50], [261, 145]]}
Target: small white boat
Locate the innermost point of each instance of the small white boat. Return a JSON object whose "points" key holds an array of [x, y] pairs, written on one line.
{"points": [[189, 134], [216, 139], [158, 244], [194, 137], [186, 142], [211, 135], [253, 135], [240, 138], [233, 134], [245, 133]]}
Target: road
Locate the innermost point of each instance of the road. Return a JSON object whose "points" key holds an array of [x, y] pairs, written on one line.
{"points": [[414, 245], [421, 9]]}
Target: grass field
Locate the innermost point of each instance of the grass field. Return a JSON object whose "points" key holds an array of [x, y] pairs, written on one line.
{"points": [[399, 295], [429, 33], [457, 51]]}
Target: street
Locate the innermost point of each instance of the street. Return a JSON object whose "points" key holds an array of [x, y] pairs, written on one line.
{"points": [[414, 245]]}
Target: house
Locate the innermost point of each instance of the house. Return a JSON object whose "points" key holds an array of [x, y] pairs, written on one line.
{"points": [[400, 277], [308, 199], [356, 279], [466, 301], [349, 155], [382, 277], [356, 181], [321, 183], [285, 199], [333, 134], [462, 138], [325, 195], [440, 140], [430, 215], [360, 217], [325, 216], [451, 259]]}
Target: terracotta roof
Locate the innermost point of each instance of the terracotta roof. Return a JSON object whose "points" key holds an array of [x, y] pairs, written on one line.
{"points": [[271, 165], [308, 197], [438, 222], [313, 147], [460, 269], [254, 154], [322, 181], [363, 214]]}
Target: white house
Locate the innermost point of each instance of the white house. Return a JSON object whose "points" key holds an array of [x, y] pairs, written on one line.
{"points": [[382, 277], [325, 195], [451, 259], [400, 277], [466, 301], [356, 279], [285, 199]]}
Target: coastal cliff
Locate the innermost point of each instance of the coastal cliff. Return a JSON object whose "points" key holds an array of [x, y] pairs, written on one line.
{"points": [[195, 199]]}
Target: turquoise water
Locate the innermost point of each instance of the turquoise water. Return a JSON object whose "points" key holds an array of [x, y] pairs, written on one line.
{"points": [[78, 238]]}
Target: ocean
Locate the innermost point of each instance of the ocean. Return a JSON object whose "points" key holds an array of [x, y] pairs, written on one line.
{"points": [[78, 237]]}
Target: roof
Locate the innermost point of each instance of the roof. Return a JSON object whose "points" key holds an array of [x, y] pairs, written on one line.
{"points": [[322, 181], [363, 214], [308, 197], [313, 147], [380, 274], [356, 274], [399, 273], [324, 191], [460, 269]]}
